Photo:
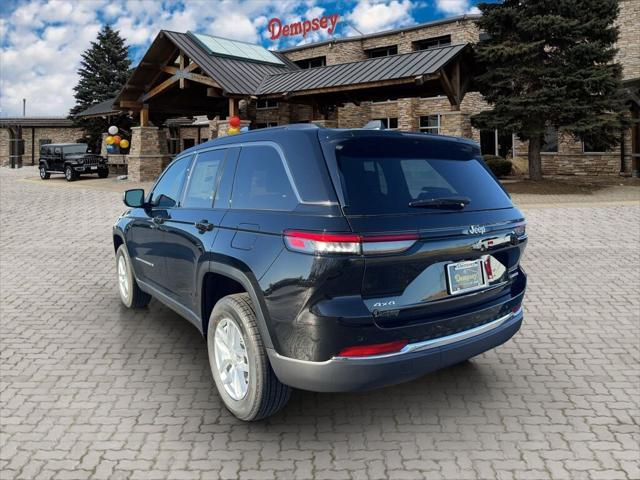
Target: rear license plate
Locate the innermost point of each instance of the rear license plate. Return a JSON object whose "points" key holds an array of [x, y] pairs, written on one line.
{"points": [[465, 276]]}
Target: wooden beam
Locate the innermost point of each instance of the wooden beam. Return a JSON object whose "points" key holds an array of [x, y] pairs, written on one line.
{"points": [[134, 105], [196, 77], [233, 107], [144, 115], [214, 92], [159, 88], [182, 62], [449, 90]]}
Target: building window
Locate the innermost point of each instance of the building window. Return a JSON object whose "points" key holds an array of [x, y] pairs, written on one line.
{"points": [[311, 62], [264, 104], [496, 142], [188, 143], [266, 125], [594, 145], [204, 139], [550, 140], [430, 124], [432, 42], [389, 123], [382, 51]]}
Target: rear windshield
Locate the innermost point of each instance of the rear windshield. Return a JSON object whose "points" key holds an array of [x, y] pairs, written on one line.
{"points": [[383, 176]]}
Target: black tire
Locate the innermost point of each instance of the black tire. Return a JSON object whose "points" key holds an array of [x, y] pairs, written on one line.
{"points": [[103, 173], [70, 174], [44, 175], [134, 297], [265, 394]]}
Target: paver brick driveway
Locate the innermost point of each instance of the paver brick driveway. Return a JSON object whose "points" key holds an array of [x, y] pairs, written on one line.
{"points": [[92, 390]]}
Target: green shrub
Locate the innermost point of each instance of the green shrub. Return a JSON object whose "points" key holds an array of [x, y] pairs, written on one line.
{"points": [[498, 165]]}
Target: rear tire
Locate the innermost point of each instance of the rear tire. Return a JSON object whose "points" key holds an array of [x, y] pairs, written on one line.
{"points": [[44, 175], [250, 389], [130, 293], [69, 173]]}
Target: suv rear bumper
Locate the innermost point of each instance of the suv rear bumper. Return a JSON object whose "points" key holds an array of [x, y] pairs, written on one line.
{"points": [[341, 374]]}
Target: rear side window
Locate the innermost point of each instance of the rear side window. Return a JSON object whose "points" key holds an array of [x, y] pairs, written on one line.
{"points": [[204, 175], [261, 181], [382, 176]]}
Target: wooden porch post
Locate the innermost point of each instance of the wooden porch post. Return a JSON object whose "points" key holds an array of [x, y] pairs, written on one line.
{"points": [[144, 115]]}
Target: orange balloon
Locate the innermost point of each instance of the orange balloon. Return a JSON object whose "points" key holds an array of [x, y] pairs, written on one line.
{"points": [[234, 122], [116, 139]]}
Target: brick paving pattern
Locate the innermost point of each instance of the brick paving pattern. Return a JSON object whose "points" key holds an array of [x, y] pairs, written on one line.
{"points": [[91, 390]]}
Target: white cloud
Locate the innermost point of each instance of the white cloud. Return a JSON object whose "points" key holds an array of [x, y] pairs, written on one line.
{"points": [[41, 41], [456, 7], [373, 15]]}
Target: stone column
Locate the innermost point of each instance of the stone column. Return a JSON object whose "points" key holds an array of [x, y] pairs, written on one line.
{"points": [[148, 154], [103, 145], [407, 118]]}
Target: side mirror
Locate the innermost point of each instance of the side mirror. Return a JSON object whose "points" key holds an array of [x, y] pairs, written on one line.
{"points": [[134, 198]]}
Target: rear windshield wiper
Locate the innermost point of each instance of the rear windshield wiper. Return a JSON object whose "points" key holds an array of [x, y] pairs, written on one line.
{"points": [[454, 203]]}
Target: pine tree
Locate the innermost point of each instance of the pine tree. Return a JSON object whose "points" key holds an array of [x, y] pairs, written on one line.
{"points": [[104, 69], [550, 63]]}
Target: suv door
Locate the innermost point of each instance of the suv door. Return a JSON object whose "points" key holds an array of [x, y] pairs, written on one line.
{"points": [[146, 235], [56, 159], [192, 227]]}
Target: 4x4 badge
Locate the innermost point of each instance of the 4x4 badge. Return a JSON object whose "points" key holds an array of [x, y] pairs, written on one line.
{"points": [[477, 230]]}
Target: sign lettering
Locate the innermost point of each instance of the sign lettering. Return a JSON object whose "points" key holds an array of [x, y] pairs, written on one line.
{"points": [[277, 29]]}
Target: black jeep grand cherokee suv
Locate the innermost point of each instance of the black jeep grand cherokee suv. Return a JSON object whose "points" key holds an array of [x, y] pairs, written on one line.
{"points": [[327, 260]]}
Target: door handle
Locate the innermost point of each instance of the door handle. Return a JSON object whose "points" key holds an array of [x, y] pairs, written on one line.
{"points": [[204, 226]]}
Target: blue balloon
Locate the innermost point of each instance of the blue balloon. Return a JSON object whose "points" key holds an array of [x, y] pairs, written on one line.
{"points": [[111, 149]]}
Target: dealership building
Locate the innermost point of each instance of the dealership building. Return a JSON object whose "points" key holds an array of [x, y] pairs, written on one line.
{"points": [[417, 79]]}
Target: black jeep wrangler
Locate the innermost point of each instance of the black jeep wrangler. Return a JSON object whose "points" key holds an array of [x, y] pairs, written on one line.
{"points": [[72, 159]]}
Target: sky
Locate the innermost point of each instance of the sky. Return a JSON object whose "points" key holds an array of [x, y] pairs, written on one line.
{"points": [[41, 40]]}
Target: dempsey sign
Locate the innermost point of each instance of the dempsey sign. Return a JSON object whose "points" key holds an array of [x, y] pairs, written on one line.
{"points": [[277, 29]]}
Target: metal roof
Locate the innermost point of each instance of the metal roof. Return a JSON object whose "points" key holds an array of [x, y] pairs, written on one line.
{"points": [[393, 67], [36, 122], [234, 75], [384, 33], [100, 109]]}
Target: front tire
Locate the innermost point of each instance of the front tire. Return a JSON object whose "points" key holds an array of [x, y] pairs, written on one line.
{"points": [[103, 173], [130, 293], [241, 370], [69, 173], [44, 175]]}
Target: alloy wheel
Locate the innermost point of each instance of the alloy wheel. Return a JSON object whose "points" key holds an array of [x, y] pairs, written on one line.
{"points": [[232, 360], [123, 277]]}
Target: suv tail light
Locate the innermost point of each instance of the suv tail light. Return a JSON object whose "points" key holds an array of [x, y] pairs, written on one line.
{"points": [[349, 243]]}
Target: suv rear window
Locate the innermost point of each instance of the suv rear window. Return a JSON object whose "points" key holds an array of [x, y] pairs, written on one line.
{"points": [[383, 175]]}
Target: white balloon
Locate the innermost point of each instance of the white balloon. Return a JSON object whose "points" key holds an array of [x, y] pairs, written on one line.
{"points": [[113, 130]]}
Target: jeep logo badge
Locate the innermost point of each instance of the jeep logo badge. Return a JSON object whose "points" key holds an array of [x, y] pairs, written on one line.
{"points": [[477, 230]]}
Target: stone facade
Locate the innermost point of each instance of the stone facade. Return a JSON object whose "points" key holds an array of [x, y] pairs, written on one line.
{"points": [[629, 39], [462, 30], [33, 136], [568, 160]]}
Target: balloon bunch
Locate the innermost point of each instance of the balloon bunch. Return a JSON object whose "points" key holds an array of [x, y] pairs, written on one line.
{"points": [[114, 140], [234, 126]]}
